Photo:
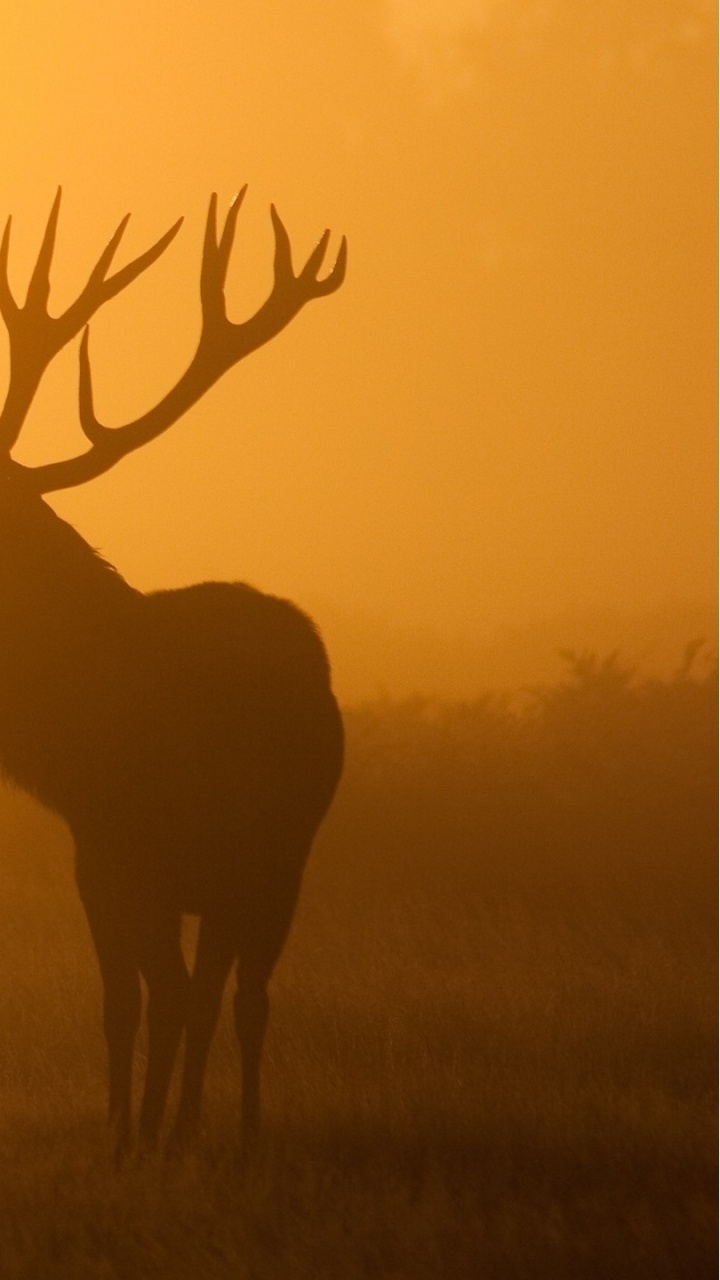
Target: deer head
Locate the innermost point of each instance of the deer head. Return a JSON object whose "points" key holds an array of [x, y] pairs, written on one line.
{"points": [[36, 337]]}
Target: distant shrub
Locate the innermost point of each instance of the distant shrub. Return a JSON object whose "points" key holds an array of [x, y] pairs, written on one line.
{"points": [[601, 769]]}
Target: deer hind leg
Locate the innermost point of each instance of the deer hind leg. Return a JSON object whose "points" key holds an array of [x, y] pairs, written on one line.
{"points": [[252, 1010], [121, 1017], [262, 939], [121, 1013], [163, 968], [215, 953]]}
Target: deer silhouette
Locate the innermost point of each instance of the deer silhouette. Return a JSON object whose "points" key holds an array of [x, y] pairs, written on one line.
{"points": [[189, 738]]}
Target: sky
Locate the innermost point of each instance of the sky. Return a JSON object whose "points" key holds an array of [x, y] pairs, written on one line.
{"points": [[503, 425]]}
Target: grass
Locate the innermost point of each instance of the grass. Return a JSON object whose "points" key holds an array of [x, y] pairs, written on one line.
{"points": [[473, 1070]]}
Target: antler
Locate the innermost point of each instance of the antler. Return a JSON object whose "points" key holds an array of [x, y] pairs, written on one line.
{"points": [[35, 336], [222, 342]]}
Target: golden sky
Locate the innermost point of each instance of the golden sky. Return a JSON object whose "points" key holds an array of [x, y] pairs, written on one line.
{"points": [[507, 413]]}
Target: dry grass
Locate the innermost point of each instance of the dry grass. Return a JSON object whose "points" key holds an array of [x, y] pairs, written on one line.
{"points": [[469, 1074]]}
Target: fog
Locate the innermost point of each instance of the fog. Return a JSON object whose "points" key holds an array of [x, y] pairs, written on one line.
{"points": [[504, 422]]}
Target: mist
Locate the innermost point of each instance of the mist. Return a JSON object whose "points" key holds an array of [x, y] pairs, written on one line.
{"points": [[507, 415], [413, 885]]}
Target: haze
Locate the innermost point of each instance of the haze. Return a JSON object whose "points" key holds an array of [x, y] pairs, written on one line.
{"points": [[503, 425]]}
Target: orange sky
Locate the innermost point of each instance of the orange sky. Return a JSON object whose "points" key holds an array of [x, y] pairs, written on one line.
{"points": [[506, 415]]}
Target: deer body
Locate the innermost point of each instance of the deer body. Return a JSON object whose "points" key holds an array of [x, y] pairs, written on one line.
{"points": [[189, 738]]}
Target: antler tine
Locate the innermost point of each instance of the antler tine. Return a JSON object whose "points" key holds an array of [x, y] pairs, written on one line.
{"points": [[97, 275], [8, 305], [132, 270], [216, 256], [99, 289], [94, 430], [228, 233], [335, 276], [315, 261], [39, 287], [222, 343], [282, 265], [210, 245]]}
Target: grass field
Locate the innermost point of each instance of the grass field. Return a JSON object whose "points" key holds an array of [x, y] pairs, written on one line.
{"points": [[492, 1045]]}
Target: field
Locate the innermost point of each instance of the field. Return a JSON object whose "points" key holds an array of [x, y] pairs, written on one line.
{"points": [[492, 1049]]}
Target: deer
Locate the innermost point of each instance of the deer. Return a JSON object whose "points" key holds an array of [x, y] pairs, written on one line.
{"points": [[189, 738]]}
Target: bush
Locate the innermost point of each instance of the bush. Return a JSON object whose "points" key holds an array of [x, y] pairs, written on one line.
{"points": [[602, 775]]}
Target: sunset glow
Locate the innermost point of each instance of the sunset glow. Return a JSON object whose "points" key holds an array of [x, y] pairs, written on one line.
{"points": [[358, 640], [504, 422]]}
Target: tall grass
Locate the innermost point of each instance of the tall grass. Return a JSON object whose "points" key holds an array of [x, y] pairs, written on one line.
{"points": [[492, 1044]]}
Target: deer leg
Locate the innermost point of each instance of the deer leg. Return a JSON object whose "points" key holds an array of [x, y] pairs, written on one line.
{"points": [[163, 967], [121, 1015], [262, 941], [252, 1009], [214, 956]]}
